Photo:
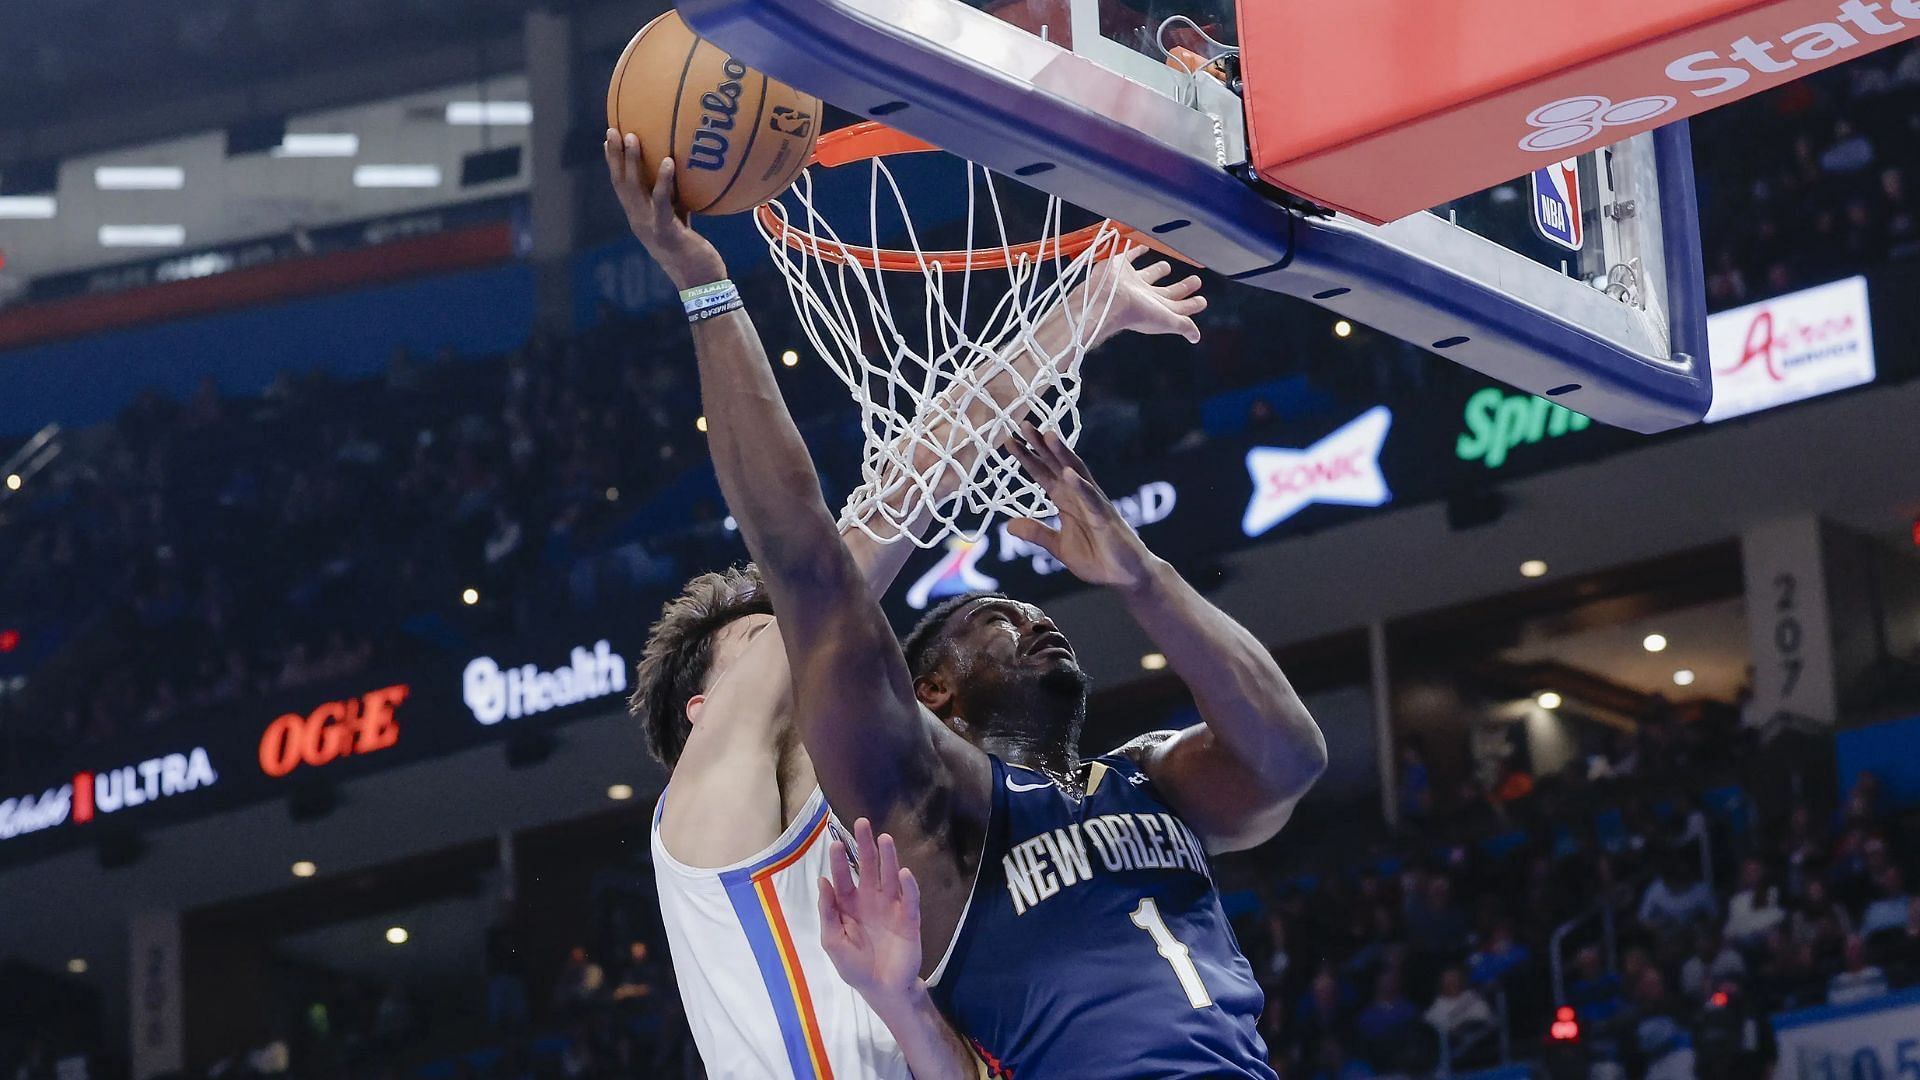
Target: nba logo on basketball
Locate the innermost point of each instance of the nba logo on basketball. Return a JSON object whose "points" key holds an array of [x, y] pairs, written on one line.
{"points": [[1556, 204], [792, 122]]}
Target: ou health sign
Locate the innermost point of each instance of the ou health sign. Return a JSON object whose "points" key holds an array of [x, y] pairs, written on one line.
{"points": [[1790, 348]]}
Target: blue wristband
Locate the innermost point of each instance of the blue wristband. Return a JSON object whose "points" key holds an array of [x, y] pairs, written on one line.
{"points": [[707, 301]]}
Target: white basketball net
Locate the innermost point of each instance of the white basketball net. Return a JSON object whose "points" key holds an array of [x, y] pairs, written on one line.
{"points": [[935, 435]]}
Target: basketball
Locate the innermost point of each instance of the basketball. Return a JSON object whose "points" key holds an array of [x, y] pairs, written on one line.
{"points": [[738, 137]]}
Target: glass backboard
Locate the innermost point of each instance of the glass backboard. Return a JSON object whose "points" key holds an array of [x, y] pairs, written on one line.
{"points": [[1600, 308]]}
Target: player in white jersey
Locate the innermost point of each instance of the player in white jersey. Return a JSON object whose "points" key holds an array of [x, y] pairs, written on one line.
{"points": [[742, 835]]}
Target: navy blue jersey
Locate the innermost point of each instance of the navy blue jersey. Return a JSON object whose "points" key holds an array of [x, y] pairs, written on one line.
{"points": [[1094, 944]]}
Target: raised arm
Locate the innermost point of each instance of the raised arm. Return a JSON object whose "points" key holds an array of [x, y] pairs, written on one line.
{"points": [[1236, 777], [877, 753]]}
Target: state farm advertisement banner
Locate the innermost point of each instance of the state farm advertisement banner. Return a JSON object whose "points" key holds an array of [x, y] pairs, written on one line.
{"points": [[1400, 124], [1790, 348]]}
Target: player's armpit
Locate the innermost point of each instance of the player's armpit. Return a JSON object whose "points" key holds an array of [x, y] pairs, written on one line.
{"points": [[1222, 798], [725, 802], [878, 752], [880, 755], [1236, 777]]}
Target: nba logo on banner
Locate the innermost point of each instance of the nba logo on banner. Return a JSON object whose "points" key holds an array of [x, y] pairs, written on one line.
{"points": [[1556, 204]]}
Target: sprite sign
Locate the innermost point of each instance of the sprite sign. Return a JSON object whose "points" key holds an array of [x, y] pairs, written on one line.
{"points": [[1497, 422]]}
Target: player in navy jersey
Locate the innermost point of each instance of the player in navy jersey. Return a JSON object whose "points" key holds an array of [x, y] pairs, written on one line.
{"points": [[1068, 920]]}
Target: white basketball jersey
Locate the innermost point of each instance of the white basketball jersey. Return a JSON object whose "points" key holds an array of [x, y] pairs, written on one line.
{"points": [[761, 996]]}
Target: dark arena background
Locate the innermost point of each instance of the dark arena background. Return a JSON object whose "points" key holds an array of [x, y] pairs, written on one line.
{"points": [[351, 445]]}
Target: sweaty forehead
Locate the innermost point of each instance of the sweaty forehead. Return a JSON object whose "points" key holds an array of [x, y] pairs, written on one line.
{"points": [[1012, 608]]}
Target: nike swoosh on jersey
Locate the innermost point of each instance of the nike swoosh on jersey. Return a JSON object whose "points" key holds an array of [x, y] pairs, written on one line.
{"points": [[1011, 786]]}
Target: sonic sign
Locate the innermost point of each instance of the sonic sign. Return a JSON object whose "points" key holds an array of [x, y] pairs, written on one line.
{"points": [[1342, 469]]}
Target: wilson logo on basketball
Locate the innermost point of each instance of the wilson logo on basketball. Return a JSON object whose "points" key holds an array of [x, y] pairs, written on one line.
{"points": [[718, 107], [355, 726]]}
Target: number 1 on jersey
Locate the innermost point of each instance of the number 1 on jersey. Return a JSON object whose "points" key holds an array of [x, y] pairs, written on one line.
{"points": [[1147, 917]]}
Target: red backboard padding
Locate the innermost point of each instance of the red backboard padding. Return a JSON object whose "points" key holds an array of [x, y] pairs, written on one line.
{"points": [[1382, 108]]}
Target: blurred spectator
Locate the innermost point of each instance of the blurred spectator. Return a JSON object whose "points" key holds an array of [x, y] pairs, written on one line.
{"points": [[1819, 921], [1787, 969], [1713, 962], [1802, 846], [1273, 974], [1388, 1017], [1323, 1013], [1733, 1039], [1594, 991], [1436, 926], [1416, 785], [579, 984], [1677, 899], [1457, 1007], [1849, 152], [1858, 980], [1333, 1063], [1655, 1015], [1862, 807], [641, 976], [1903, 949], [1755, 909], [1499, 956], [1889, 909]]}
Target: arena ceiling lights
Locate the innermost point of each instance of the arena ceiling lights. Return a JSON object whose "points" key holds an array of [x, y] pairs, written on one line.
{"points": [[397, 176], [317, 145], [262, 175], [28, 207], [143, 235], [139, 178], [489, 113]]}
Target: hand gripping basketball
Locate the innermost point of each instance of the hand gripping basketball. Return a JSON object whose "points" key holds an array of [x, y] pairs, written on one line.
{"points": [[737, 137], [656, 220]]}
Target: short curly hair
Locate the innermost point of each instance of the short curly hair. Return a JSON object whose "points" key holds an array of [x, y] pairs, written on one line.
{"points": [[679, 653], [925, 645]]}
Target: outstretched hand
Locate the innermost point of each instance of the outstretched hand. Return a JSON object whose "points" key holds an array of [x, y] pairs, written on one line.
{"points": [[1092, 540], [1141, 303], [871, 928], [684, 254]]}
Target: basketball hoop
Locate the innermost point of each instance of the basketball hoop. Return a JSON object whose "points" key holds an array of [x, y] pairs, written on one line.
{"points": [[933, 430], [872, 141]]}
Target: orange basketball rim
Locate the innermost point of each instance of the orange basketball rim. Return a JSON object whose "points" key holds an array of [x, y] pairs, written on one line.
{"points": [[871, 139]]}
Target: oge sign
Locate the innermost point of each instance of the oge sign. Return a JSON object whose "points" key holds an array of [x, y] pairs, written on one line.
{"points": [[355, 726]]}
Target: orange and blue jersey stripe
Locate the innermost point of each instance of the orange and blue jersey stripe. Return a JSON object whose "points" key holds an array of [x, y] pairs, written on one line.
{"points": [[757, 906]]}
